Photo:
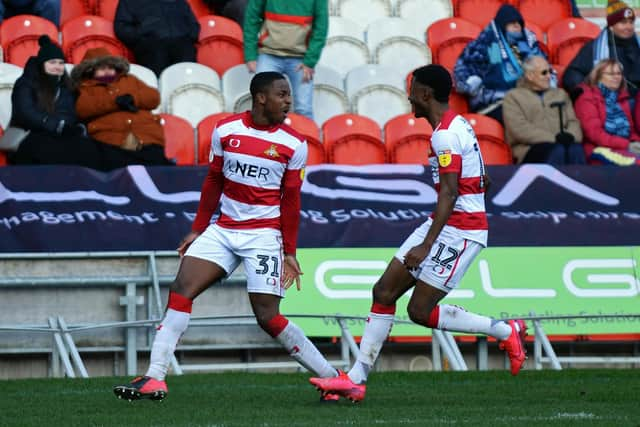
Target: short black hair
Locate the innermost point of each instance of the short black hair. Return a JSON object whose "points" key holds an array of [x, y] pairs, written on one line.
{"points": [[437, 78], [261, 81]]}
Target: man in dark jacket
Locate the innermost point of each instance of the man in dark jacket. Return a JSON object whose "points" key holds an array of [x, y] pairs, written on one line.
{"points": [[159, 32], [617, 41]]}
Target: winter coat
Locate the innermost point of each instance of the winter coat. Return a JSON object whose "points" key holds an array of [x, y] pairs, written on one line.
{"points": [[147, 22], [529, 118], [627, 52], [286, 28], [27, 114], [592, 113], [97, 107]]}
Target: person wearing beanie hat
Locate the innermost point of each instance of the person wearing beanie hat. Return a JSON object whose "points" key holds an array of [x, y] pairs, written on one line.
{"points": [[434, 258], [617, 41], [116, 107], [491, 65], [43, 104]]}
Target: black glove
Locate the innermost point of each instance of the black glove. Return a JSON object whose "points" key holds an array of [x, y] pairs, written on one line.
{"points": [[126, 103], [565, 138]]}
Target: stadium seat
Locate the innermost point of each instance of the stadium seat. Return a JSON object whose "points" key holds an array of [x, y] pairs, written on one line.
{"points": [[490, 134], [329, 98], [351, 139], [19, 36], [106, 9], [204, 131], [544, 12], [407, 139], [345, 48], [363, 11], [87, 32], [458, 102], [447, 39], [70, 9], [308, 128], [535, 29], [199, 8], [479, 12], [398, 43], [566, 37], [179, 141], [235, 87], [219, 43], [424, 12], [144, 74], [9, 73], [377, 92], [191, 91]]}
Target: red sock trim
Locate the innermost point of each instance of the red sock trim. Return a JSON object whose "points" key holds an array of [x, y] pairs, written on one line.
{"points": [[434, 317], [277, 325], [383, 309], [178, 302]]}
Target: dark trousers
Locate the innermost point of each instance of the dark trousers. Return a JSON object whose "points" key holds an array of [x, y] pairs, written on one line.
{"points": [[555, 154], [150, 155], [163, 53], [40, 148]]}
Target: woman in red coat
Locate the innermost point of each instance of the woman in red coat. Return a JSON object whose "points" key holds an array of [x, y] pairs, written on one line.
{"points": [[116, 107], [605, 115]]}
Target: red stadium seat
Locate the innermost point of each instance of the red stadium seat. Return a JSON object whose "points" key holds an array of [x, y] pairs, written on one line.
{"points": [[351, 139], [309, 129], [535, 29], [407, 139], [199, 8], [179, 142], [219, 43], [490, 134], [20, 34], [544, 12], [106, 9], [447, 39], [87, 32], [205, 129], [566, 37], [480, 12], [73, 8]]}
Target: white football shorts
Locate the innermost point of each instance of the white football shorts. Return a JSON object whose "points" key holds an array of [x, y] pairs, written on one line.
{"points": [[259, 250], [450, 257]]}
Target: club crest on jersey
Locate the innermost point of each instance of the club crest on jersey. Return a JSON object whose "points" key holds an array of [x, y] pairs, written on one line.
{"points": [[444, 158], [272, 152]]}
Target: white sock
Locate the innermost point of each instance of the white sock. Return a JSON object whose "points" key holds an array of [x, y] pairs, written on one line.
{"points": [[457, 319], [164, 344], [375, 333], [304, 352]]}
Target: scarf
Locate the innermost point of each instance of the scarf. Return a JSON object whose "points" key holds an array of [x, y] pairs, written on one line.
{"points": [[601, 47], [617, 122]]}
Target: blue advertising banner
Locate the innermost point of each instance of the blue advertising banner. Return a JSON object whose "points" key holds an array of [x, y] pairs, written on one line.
{"points": [[52, 209]]}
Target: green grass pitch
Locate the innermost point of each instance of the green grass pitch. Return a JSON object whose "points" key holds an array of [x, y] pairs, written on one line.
{"points": [[534, 398]]}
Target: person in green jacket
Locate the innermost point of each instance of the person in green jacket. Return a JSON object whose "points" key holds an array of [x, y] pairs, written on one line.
{"points": [[287, 37]]}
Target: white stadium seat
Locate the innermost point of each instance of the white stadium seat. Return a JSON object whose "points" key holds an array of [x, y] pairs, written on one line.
{"points": [[399, 43], [191, 91], [363, 11], [145, 74], [424, 12], [9, 73], [377, 92], [345, 48], [329, 98], [235, 86]]}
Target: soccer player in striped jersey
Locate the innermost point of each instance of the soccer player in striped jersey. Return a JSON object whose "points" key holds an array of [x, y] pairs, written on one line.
{"points": [[436, 255], [256, 168]]}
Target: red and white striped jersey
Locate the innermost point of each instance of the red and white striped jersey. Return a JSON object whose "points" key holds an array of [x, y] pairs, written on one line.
{"points": [[256, 161], [455, 149]]}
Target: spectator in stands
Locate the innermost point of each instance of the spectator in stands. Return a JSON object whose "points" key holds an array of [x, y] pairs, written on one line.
{"points": [[533, 113], [43, 104], [574, 9], [159, 32], [492, 64], [287, 37], [604, 110], [232, 9], [617, 41], [47, 9], [116, 107]]}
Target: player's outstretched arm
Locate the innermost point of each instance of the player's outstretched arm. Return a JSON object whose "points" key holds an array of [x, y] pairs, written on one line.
{"points": [[291, 272]]}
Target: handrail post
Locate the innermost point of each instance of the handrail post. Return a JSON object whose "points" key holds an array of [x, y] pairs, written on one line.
{"points": [[130, 301]]}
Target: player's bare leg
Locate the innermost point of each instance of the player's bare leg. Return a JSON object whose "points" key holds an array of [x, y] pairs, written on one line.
{"points": [[395, 281], [194, 276]]}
